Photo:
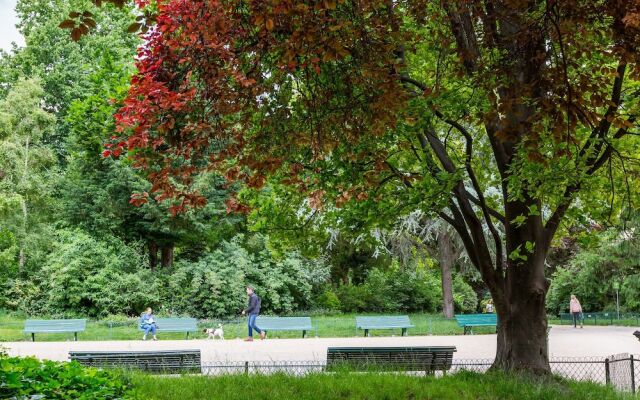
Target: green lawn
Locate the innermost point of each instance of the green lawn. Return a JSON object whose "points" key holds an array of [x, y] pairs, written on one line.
{"points": [[123, 328], [461, 386], [327, 326]]}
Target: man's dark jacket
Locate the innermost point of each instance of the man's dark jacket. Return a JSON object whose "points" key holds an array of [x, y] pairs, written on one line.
{"points": [[254, 304]]}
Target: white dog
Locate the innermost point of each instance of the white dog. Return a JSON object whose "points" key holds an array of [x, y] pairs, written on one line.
{"points": [[215, 333]]}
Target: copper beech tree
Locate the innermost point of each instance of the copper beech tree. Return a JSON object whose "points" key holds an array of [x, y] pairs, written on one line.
{"points": [[496, 114]]}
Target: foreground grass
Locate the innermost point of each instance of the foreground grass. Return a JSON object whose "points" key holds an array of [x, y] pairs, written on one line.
{"points": [[121, 328], [461, 386]]}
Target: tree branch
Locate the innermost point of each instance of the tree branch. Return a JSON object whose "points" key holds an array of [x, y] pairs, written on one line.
{"points": [[461, 24], [595, 160], [471, 219]]}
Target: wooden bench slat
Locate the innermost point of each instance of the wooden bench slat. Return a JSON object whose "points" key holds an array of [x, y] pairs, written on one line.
{"points": [[468, 321], [284, 324], [428, 359], [167, 361], [74, 326], [383, 322]]}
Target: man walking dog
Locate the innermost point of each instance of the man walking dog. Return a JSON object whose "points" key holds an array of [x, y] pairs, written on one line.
{"points": [[253, 310]]}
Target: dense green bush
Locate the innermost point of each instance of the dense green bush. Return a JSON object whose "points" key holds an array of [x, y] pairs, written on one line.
{"points": [[465, 299], [214, 285], [328, 300], [396, 289], [90, 277], [353, 298], [29, 378]]}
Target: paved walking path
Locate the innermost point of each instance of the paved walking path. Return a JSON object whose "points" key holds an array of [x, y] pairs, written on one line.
{"points": [[565, 341]]}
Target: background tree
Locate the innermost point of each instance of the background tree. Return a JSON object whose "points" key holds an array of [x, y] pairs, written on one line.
{"points": [[27, 165], [437, 239]]}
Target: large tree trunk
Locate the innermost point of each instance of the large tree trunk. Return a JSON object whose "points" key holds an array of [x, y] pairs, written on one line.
{"points": [[522, 329], [520, 295], [446, 258]]}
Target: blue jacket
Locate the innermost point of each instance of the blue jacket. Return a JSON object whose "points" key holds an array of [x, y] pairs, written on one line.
{"points": [[144, 319], [254, 304]]}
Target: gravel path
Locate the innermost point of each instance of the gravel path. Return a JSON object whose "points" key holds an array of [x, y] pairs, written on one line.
{"points": [[565, 341]]}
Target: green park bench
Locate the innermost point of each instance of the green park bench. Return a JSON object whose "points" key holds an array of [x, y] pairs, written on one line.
{"points": [[428, 359], [175, 325], [384, 322], [166, 361], [268, 324], [34, 326], [469, 321]]}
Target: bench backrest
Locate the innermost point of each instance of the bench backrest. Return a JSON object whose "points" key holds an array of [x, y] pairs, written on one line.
{"points": [[383, 321], [177, 324], [477, 319], [396, 358], [54, 325], [167, 361], [284, 323]]}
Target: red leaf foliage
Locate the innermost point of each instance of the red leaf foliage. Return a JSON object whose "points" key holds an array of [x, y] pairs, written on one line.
{"points": [[210, 74]]}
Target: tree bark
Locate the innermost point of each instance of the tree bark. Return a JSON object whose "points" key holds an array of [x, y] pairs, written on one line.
{"points": [[153, 255], [25, 213], [446, 258], [167, 256], [522, 323], [519, 297]]}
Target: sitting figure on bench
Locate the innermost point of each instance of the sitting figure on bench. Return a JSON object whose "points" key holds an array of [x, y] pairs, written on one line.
{"points": [[148, 324]]}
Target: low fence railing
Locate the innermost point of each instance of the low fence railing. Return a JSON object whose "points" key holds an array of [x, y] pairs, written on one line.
{"points": [[601, 318]]}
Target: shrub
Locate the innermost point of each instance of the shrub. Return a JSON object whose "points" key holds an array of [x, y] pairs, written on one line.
{"points": [[396, 289], [91, 277], [352, 298], [465, 299], [214, 285], [29, 378], [328, 300]]}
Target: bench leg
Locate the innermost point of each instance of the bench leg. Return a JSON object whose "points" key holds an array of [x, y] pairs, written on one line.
{"points": [[366, 333], [33, 337], [404, 331], [304, 334], [466, 330], [187, 335], [75, 336]]}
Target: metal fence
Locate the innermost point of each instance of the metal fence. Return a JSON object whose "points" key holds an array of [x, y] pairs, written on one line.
{"points": [[619, 371], [600, 318]]}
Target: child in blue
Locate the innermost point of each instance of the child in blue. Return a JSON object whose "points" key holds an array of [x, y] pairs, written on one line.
{"points": [[148, 324]]}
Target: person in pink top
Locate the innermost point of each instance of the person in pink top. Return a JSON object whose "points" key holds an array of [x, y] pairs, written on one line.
{"points": [[576, 310]]}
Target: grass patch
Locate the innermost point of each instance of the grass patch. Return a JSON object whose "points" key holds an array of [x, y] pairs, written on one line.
{"points": [[121, 328], [461, 386]]}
